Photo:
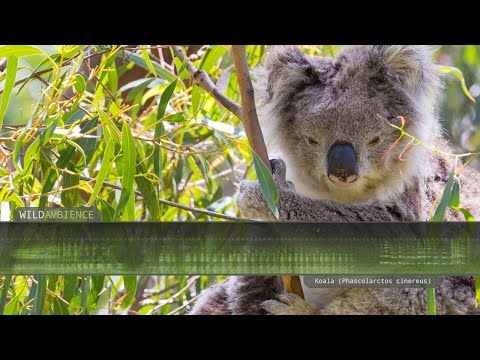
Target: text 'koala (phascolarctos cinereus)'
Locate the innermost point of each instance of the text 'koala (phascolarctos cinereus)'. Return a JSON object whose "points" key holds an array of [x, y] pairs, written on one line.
{"points": [[327, 120]]}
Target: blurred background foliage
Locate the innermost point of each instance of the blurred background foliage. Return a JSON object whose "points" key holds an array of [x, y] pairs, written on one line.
{"points": [[81, 114]]}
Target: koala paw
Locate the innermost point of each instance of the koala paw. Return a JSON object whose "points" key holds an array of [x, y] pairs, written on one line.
{"points": [[289, 304], [250, 199], [279, 170]]}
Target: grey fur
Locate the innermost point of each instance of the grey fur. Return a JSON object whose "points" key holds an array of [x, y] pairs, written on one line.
{"points": [[329, 101]]}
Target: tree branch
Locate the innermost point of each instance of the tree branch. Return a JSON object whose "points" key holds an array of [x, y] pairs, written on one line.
{"points": [[202, 79], [249, 112], [254, 134]]}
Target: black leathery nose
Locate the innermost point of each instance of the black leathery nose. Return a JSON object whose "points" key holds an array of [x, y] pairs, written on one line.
{"points": [[342, 163]]}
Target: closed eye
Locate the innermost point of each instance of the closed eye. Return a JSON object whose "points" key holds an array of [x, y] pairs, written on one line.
{"points": [[374, 141], [311, 141]]}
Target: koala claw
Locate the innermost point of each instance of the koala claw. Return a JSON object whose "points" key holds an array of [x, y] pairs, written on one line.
{"points": [[289, 304], [279, 170]]}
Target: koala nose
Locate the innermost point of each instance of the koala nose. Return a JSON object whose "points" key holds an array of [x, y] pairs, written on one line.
{"points": [[342, 164]]}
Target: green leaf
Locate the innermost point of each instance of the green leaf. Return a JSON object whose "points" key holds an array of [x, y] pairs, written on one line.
{"points": [[130, 283], [40, 295], [147, 60], [71, 50], [83, 158], [105, 166], [79, 83], [113, 77], [467, 214], [194, 167], [165, 98], [455, 200], [70, 197], [431, 307], [14, 198], [106, 210], [459, 75], [157, 152], [147, 189], [9, 84], [267, 184], [69, 286], [97, 285], [196, 99], [59, 307], [212, 56], [128, 169], [108, 65], [444, 202], [477, 290], [17, 150], [19, 50], [175, 118], [85, 292], [13, 306], [3, 294], [129, 213], [143, 84], [161, 72], [51, 175], [33, 151], [455, 196]]}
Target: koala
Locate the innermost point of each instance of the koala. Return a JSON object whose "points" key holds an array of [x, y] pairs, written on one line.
{"points": [[328, 124]]}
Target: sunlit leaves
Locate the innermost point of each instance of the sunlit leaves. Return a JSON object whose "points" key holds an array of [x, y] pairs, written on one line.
{"points": [[9, 84], [19, 50]]}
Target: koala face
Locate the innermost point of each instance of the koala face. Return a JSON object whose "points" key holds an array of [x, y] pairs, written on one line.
{"points": [[329, 119]]}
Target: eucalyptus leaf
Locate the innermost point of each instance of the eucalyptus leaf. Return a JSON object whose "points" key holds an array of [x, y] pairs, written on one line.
{"points": [[267, 184]]}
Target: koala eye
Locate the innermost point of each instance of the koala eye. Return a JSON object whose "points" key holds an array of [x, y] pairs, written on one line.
{"points": [[311, 141], [374, 141]]}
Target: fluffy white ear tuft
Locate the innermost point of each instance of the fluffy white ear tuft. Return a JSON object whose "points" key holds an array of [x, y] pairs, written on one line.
{"points": [[410, 65], [281, 62]]}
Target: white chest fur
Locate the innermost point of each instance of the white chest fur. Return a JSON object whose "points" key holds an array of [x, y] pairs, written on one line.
{"points": [[320, 297]]}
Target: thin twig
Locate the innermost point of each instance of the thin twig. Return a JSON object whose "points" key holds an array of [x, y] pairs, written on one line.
{"points": [[164, 290], [184, 305], [175, 296], [170, 203], [47, 84], [202, 79]]}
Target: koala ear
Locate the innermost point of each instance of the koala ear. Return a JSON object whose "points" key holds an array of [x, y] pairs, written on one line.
{"points": [[284, 66], [410, 65]]}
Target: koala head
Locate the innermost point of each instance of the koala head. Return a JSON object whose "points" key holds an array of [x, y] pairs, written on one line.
{"points": [[329, 118]]}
